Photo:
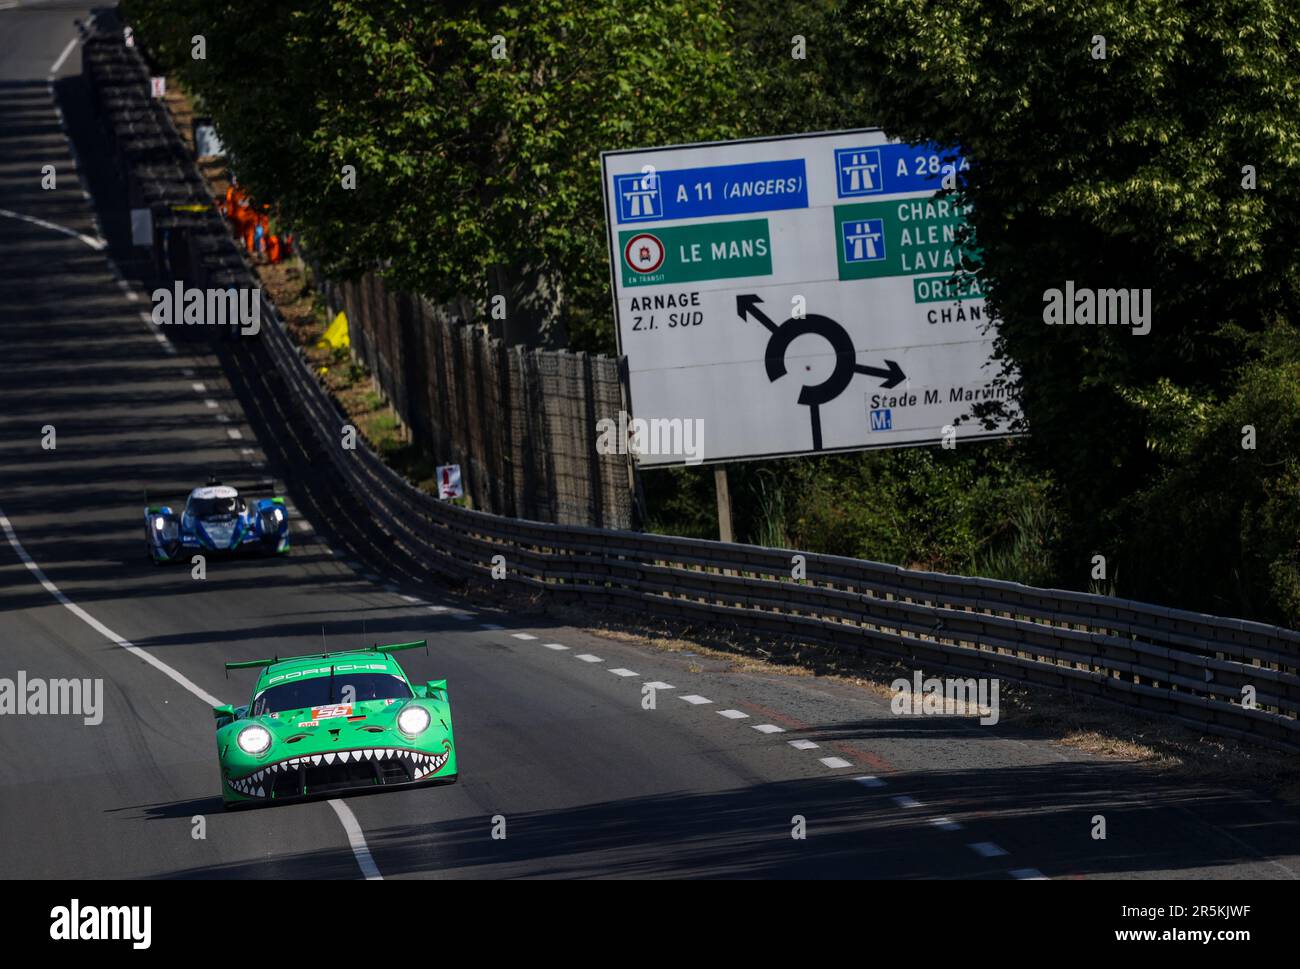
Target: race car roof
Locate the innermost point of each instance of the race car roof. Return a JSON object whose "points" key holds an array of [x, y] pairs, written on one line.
{"points": [[215, 491]]}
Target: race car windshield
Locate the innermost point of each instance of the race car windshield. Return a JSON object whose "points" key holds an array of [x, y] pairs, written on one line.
{"points": [[215, 507], [325, 690]]}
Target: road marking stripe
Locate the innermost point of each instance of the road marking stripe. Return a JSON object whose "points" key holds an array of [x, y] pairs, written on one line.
{"points": [[199, 388], [96, 244], [903, 801], [357, 839], [945, 824], [733, 714], [173, 674], [54, 68], [694, 700], [622, 672], [987, 849], [234, 433], [437, 608], [660, 685], [835, 763], [588, 658], [802, 744], [768, 728], [523, 635], [868, 780], [555, 646]]}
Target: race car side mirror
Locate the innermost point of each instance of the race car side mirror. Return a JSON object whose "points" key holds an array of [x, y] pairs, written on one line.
{"points": [[225, 711]]}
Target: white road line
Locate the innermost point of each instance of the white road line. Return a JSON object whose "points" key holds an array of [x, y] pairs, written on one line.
{"points": [[867, 780], [211, 404], [733, 714], [54, 68], [1028, 874], [173, 674], [802, 744], [418, 602], [903, 801], [694, 700], [357, 839], [97, 244], [199, 388], [987, 849], [835, 763], [523, 635], [555, 646], [768, 728], [437, 608], [234, 433], [355, 836], [946, 824], [659, 685], [588, 658], [622, 672]]}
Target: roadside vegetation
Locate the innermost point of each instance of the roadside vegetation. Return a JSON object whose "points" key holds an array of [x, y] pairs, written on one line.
{"points": [[1167, 164]]}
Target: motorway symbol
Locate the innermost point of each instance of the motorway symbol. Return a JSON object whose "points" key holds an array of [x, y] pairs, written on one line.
{"points": [[846, 365]]}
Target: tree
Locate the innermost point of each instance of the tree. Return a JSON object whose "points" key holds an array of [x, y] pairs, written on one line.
{"points": [[1122, 171]]}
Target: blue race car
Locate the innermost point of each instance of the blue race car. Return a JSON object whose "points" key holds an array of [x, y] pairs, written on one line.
{"points": [[216, 519]]}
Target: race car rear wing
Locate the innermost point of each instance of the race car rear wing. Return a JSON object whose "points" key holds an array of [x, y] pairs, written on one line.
{"points": [[253, 664]]}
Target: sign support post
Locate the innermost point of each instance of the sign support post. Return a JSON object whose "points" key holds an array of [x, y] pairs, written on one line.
{"points": [[724, 503]]}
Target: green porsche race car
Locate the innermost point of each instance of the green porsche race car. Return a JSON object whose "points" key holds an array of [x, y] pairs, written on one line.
{"points": [[333, 722]]}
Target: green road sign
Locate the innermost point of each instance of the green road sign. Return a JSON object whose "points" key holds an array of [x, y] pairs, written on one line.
{"points": [[689, 253]]}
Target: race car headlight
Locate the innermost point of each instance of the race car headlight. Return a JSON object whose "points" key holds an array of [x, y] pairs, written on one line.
{"points": [[254, 739], [413, 720], [159, 523]]}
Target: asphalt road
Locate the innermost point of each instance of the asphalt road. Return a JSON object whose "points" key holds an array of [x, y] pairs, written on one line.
{"points": [[553, 740]]}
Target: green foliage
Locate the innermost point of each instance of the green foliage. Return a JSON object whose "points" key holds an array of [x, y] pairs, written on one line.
{"points": [[475, 173], [1127, 172]]}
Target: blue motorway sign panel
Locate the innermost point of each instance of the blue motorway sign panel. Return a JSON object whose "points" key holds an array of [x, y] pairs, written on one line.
{"points": [[695, 193]]}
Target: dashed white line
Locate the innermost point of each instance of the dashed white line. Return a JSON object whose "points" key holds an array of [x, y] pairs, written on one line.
{"points": [[622, 672], [733, 714], [767, 728], [199, 388], [987, 849], [588, 658], [695, 700], [437, 608], [946, 824], [903, 801], [555, 646], [523, 636], [211, 404], [660, 685], [835, 763], [802, 744], [234, 433], [868, 780]]}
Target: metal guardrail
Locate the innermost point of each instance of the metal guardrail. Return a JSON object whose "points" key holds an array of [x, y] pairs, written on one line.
{"points": [[1186, 666]]}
